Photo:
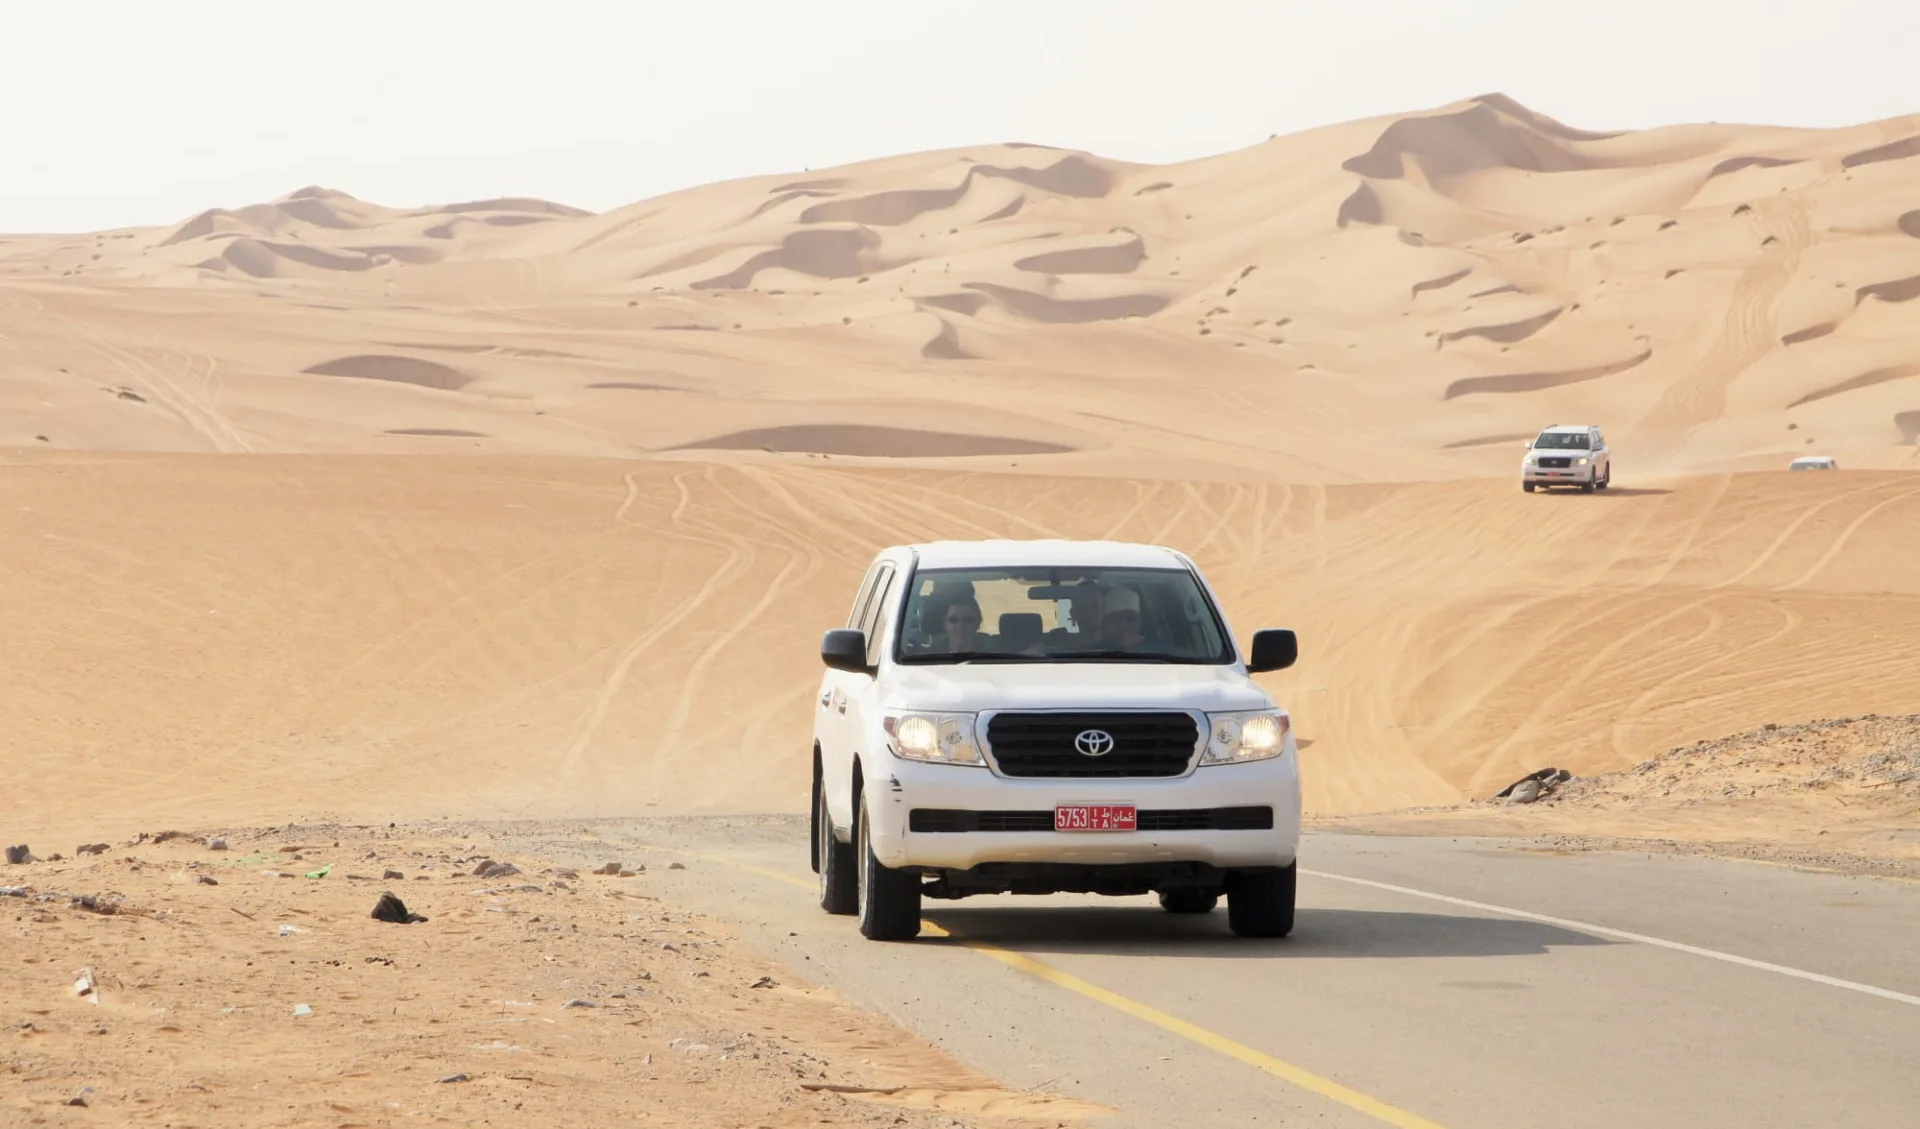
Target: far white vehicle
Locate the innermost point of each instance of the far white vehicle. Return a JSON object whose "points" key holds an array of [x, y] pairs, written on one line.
{"points": [[1568, 455], [1038, 717], [1814, 462]]}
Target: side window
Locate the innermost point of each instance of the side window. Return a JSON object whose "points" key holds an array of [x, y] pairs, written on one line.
{"points": [[859, 609], [872, 623]]}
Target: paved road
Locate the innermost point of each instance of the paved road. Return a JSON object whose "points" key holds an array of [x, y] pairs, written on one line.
{"points": [[1657, 992]]}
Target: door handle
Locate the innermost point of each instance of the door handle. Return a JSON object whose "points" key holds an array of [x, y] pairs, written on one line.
{"points": [[826, 697], [843, 705]]}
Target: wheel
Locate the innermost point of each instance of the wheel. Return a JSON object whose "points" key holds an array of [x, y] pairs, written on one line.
{"points": [[1188, 901], [1260, 904], [1527, 486], [836, 862], [889, 899], [1607, 480], [1587, 486]]}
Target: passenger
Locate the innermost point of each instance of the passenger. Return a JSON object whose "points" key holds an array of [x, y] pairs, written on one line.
{"points": [[1084, 608], [1123, 620], [961, 622]]}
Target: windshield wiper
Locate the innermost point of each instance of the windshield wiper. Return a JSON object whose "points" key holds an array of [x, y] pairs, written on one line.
{"points": [[970, 656], [1115, 653]]}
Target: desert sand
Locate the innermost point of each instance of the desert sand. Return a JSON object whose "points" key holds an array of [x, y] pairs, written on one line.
{"points": [[319, 510]]}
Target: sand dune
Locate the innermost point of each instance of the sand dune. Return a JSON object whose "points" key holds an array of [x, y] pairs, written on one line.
{"points": [[1406, 257]]}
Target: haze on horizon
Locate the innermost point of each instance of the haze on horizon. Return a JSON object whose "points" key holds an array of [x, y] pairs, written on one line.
{"points": [[123, 115]]}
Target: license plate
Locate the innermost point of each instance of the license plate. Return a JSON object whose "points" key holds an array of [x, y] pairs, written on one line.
{"points": [[1094, 817]]}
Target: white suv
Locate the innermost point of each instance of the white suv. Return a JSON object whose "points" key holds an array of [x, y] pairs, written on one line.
{"points": [[1568, 455], [1036, 717]]}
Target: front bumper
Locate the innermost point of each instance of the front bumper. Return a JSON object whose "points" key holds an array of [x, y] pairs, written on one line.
{"points": [[1569, 476], [901, 786]]}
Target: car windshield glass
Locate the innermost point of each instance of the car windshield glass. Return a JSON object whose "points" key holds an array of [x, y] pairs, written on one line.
{"points": [[1562, 440], [1045, 614]]}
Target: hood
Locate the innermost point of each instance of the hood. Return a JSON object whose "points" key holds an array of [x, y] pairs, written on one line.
{"points": [[1105, 685]]}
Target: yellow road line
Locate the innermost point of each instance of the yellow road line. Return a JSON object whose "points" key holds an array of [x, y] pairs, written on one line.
{"points": [[1279, 1068]]}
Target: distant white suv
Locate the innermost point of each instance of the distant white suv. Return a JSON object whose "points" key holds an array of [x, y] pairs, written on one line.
{"points": [[1568, 455], [1037, 717]]}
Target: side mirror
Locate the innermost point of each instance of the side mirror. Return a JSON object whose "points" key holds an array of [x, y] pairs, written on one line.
{"points": [[1273, 649], [845, 648]]}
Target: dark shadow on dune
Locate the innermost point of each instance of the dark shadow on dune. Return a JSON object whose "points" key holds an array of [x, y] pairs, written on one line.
{"points": [[807, 185], [1069, 176], [1735, 164], [1810, 333], [514, 221], [1440, 283], [396, 369], [1508, 288], [1909, 425], [824, 253], [442, 432], [1448, 146], [633, 386], [1910, 223], [322, 259], [886, 209], [1552, 127], [787, 197], [1065, 311], [945, 345], [1143, 929], [1864, 380], [1538, 381], [1363, 206], [968, 304], [1892, 151], [1120, 258], [1009, 209], [870, 442], [513, 204], [1898, 290], [1507, 333]]}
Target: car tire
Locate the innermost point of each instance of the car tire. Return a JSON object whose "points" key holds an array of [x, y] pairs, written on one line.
{"points": [[1260, 903], [889, 899], [1587, 486], [839, 889], [1608, 480], [1527, 486], [1188, 901]]}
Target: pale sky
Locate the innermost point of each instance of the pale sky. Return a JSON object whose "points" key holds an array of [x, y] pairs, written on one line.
{"points": [[133, 112]]}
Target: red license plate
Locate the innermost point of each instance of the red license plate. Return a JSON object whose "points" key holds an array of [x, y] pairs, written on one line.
{"points": [[1094, 817]]}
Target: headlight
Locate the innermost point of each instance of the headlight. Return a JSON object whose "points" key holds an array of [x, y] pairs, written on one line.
{"points": [[942, 738], [1580, 462], [1239, 737]]}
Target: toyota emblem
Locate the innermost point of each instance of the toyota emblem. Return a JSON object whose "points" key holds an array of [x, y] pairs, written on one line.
{"points": [[1093, 742]]}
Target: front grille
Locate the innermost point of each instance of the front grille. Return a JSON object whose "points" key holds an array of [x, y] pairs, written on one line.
{"points": [[1042, 744], [1557, 462], [957, 821]]}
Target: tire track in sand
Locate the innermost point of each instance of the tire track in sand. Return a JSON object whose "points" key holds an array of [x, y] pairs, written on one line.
{"points": [[740, 559], [1699, 394]]}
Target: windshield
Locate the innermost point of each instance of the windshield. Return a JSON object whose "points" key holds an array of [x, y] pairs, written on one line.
{"points": [[1059, 615], [1562, 440]]}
